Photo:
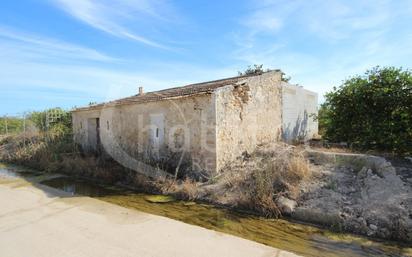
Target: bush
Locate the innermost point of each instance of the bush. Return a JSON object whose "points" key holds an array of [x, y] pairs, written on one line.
{"points": [[371, 112], [255, 181], [45, 120], [13, 124], [43, 147], [278, 174]]}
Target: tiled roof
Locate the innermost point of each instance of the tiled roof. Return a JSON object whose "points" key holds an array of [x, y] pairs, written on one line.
{"points": [[189, 90]]}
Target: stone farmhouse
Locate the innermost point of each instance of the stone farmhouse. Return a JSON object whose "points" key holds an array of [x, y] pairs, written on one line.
{"points": [[205, 125]]}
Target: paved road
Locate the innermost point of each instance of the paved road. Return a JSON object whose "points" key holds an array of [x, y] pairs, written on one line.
{"points": [[37, 221]]}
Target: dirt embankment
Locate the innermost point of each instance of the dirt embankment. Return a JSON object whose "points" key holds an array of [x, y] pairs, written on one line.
{"points": [[358, 193]]}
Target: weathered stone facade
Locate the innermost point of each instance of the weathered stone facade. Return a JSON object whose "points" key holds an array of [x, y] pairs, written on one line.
{"points": [[247, 114], [204, 125]]}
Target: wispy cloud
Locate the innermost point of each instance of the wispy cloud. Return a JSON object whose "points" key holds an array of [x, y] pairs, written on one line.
{"points": [[262, 21], [319, 43], [116, 16], [35, 69], [39, 72], [334, 19], [14, 42], [339, 20]]}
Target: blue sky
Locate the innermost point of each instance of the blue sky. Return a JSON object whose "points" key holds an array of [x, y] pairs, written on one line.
{"points": [[71, 52]]}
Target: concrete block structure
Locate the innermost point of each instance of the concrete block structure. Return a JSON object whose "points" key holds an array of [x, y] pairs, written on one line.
{"points": [[298, 108], [207, 125]]}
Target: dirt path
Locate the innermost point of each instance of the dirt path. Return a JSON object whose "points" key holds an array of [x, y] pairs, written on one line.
{"points": [[39, 221]]}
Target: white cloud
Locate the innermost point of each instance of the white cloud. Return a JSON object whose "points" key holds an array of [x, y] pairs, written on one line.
{"points": [[263, 22], [320, 43], [333, 19], [40, 85], [14, 43], [338, 20], [34, 70], [114, 17]]}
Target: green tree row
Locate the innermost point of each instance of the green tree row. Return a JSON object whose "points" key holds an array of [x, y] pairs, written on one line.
{"points": [[10, 125], [371, 112], [50, 119]]}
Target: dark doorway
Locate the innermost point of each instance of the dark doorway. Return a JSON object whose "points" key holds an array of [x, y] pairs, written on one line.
{"points": [[93, 134], [98, 142]]}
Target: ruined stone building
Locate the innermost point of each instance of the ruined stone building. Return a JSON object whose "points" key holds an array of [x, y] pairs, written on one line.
{"points": [[206, 125]]}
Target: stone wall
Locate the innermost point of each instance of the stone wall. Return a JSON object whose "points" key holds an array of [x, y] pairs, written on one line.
{"points": [[180, 129], [247, 114], [207, 130]]}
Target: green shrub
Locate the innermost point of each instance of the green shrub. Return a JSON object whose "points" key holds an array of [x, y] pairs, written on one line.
{"points": [[11, 125], [47, 119], [372, 112]]}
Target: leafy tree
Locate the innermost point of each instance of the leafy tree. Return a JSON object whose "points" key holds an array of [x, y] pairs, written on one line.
{"points": [[285, 79], [257, 69], [39, 119], [323, 118], [372, 111], [251, 70]]}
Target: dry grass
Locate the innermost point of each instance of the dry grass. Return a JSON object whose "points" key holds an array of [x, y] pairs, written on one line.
{"points": [[55, 152], [187, 189], [270, 172], [253, 182], [232, 180]]}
